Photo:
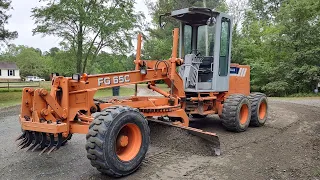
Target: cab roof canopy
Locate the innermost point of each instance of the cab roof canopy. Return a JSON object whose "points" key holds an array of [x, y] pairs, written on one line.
{"points": [[194, 16]]}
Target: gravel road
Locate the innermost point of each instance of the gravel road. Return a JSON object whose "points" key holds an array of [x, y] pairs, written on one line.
{"points": [[288, 147]]}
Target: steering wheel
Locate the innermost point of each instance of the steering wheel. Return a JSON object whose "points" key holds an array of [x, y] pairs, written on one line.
{"points": [[197, 54]]}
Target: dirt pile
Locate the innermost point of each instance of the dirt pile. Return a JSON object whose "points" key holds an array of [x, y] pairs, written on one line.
{"points": [[175, 139]]}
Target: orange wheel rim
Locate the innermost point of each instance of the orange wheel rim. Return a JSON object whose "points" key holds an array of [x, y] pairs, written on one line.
{"points": [[244, 113], [128, 142], [262, 110]]}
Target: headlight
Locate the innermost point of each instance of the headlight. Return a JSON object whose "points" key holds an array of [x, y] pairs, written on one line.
{"points": [[143, 71], [54, 75], [76, 77]]}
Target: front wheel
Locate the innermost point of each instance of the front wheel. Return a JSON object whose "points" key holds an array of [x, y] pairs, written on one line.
{"points": [[118, 140]]}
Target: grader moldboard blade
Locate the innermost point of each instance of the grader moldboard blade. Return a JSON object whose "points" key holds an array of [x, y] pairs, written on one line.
{"points": [[211, 137]]}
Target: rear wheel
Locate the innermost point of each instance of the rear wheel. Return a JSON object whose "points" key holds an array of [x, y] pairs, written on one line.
{"points": [[259, 109], [236, 113], [118, 140]]}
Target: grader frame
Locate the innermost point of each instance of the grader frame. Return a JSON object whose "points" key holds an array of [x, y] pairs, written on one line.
{"points": [[78, 96], [117, 130]]}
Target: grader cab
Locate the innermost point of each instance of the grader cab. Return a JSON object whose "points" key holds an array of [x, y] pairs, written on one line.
{"points": [[117, 131]]}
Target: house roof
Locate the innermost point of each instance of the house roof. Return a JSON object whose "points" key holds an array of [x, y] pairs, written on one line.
{"points": [[8, 65]]}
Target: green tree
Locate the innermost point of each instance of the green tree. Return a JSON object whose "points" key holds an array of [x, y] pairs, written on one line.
{"points": [[280, 42], [300, 33], [62, 62], [52, 51], [266, 9], [29, 61], [108, 63], [5, 34], [87, 26]]}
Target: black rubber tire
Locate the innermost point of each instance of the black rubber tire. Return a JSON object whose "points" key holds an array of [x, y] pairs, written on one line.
{"points": [[230, 116], [102, 136], [199, 116], [256, 99]]}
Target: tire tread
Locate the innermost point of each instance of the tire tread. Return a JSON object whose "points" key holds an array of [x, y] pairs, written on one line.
{"points": [[229, 112], [95, 139], [254, 100]]}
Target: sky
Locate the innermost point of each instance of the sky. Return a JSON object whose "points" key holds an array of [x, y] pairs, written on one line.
{"points": [[22, 22]]}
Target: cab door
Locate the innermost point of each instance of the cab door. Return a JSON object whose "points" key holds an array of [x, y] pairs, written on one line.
{"points": [[222, 57]]}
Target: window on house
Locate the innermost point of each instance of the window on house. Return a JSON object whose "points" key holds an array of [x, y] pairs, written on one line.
{"points": [[0, 72], [10, 72]]}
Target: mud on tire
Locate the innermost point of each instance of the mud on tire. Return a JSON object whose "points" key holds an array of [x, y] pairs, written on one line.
{"points": [[118, 140], [236, 113], [259, 109]]}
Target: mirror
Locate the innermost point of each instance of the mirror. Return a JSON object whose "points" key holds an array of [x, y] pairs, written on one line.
{"points": [[163, 24], [211, 21]]}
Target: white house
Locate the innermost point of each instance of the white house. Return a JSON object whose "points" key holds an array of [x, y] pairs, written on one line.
{"points": [[9, 71]]}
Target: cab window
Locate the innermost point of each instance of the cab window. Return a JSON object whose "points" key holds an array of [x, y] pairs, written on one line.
{"points": [[224, 47]]}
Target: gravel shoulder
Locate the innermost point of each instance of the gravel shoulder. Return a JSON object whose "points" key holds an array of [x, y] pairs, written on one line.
{"points": [[288, 147]]}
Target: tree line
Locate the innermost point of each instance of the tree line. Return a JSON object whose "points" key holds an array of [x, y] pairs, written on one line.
{"points": [[279, 39], [32, 61], [96, 37]]}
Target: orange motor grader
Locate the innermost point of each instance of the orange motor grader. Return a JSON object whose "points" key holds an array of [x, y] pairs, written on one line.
{"points": [[117, 131]]}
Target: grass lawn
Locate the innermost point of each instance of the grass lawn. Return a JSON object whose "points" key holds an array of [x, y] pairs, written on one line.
{"points": [[124, 91], [9, 98], [13, 97], [20, 85]]}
